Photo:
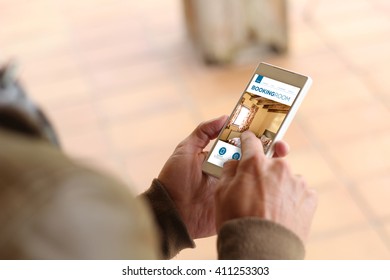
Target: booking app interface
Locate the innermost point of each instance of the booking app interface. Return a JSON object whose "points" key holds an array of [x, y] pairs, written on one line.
{"points": [[262, 109]]}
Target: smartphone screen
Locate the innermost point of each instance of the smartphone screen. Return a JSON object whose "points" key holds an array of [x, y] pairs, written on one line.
{"points": [[262, 109]]}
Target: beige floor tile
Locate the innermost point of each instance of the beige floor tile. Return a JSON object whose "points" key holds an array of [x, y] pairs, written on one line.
{"points": [[50, 69], [382, 5], [121, 41], [28, 48], [386, 228], [344, 92], [376, 193], [163, 131], [296, 137], [375, 32], [94, 25], [350, 124], [348, 8], [337, 210], [312, 166], [368, 56], [27, 19], [121, 75], [64, 91], [363, 27], [103, 55], [362, 244], [380, 84], [73, 119], [81, 14], [304, 40], [151, 99], [365, 157]]}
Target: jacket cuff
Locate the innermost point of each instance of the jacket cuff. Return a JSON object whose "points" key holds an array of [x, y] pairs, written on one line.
{"points": [[173, 232], [257, 239]]}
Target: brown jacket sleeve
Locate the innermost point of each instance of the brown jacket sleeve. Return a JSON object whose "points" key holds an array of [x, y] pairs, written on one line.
{"points": [[257, 239], [173, 232], [247, 238]]}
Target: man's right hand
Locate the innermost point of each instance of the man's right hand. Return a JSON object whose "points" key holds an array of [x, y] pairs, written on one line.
{"points": [[257, 186]]}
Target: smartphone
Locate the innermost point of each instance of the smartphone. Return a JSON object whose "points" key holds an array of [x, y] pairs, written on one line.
{"points": [[266, 107]]}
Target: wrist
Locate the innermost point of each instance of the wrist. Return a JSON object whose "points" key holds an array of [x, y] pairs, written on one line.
{"points": [[173, 231]]}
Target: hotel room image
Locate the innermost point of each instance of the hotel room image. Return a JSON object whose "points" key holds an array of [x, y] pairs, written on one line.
{"points": [[258, 114]]}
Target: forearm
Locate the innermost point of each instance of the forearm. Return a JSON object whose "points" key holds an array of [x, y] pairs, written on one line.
{"points": [[173, 232]]}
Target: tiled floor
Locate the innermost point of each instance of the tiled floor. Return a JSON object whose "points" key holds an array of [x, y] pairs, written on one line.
{"points": [[123, 86]]}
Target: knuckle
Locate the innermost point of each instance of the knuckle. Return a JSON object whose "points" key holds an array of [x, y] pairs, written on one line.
{"points": [[282, 165], [302, 181], [251, 160]]}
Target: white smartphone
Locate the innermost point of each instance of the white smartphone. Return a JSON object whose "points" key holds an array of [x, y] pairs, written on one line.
{"points": [[266, 108]]}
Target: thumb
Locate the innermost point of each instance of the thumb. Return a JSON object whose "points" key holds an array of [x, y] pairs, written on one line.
{"points": [[205, 132]]}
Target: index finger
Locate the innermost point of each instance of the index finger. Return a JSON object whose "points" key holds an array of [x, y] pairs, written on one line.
{"points": [[251, 147]]}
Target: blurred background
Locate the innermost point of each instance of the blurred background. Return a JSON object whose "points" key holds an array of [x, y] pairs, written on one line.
{"points": [[124, 81]]}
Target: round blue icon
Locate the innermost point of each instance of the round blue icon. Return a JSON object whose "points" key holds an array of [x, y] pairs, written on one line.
{"points": [[236, 156], [222, 151]]}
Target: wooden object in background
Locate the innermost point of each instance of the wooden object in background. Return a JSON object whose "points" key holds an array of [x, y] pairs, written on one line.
{"points": [[222, 28]]}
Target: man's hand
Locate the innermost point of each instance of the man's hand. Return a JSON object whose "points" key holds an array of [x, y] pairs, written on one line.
{"points": [[192, 190], [257, 186]]}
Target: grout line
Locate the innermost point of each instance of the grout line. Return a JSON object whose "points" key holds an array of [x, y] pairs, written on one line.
{"points": [[336, 169], [181, 85], [102, 122], [328, 234], [350, 186], [360, 73]]}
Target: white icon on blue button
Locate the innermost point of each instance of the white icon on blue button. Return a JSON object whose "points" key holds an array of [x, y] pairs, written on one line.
{"points": [[222, 151], [236, 156]]}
